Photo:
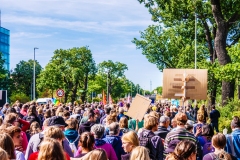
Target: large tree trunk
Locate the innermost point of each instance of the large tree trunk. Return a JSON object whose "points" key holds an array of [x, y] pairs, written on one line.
{"points": [[220, 47], [227, 91], [213, 93]]}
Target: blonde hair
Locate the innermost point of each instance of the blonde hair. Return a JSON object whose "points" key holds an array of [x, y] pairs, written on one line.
{"points": [[150, 122], [96, 154], [132, 138], [200, 117], [3, 154], [111, 118], [51, 149], [54, 132], [59, 110], [140, 153], [201, 110], [154, 114]]}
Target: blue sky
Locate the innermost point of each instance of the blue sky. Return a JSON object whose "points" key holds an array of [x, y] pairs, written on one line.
{"points": [[106, 26]]}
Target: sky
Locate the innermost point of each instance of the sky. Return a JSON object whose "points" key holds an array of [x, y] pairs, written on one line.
{"points": [[106, 26]]}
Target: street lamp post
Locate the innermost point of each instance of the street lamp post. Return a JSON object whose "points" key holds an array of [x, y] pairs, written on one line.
{"points": [[34, 77], [107, 86]]}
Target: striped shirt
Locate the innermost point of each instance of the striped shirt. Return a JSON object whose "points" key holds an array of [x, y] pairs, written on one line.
{"points": [[178, 134]]}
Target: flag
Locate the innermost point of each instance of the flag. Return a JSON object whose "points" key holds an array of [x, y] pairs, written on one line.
{"points": [[104, 98], [128, 98], [110, 99]]}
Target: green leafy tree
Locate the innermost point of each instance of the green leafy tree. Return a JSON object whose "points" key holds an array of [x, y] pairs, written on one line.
{"points": [[22, 76], [70, 70], [158, 89], [218, 27], [112, 72]]}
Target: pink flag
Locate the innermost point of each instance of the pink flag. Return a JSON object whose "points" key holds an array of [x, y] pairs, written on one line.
{"points": [[110, 99], [128, 98]]}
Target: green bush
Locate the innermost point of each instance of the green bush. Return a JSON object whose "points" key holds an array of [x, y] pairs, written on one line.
{"points": [[96, 99], [227, 113], [21, 97]]}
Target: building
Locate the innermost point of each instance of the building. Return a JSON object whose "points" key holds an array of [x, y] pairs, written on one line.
{"points": [[5, 46]]}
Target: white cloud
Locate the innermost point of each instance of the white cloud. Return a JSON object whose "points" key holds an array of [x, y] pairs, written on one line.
{"points": [[29, 35]]}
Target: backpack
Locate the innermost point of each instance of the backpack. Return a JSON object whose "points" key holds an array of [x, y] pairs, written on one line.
{"points": [[73, 146], [207, 147], [146, 141], [216, 157]]}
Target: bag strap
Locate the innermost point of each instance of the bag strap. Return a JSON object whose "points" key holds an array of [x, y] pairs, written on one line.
{"points": [[212, 155], [73, 141], [76, 139]]}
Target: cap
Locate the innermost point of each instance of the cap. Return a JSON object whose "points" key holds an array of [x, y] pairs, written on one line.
{"points": [[57, 121], [189, 122], [164, 119]]}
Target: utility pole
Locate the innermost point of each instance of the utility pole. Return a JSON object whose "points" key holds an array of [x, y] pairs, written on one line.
{"points": [[150, 86]]}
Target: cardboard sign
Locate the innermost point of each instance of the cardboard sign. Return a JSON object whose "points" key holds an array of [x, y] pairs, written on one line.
{"points": [[139, 107], [188, 83]]}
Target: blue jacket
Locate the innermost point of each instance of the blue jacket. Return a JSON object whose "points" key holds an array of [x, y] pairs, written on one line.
{"points": [[72, 135], [116, 143], [233, 143]]}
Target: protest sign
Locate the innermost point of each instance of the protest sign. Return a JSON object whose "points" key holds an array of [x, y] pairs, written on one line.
{"points": [[139, 107]]}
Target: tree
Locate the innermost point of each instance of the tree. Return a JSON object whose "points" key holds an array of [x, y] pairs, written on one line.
{"points": [[158, 89], [71, 70], [22, 76], [217, 22], [112, 72]]}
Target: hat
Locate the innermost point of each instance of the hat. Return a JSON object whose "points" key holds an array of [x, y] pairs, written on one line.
{"points": [[164, 119], [57, 121], [190, 123], [171, 146]]}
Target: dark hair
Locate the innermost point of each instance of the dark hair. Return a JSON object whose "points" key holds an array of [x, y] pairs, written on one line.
{"points": [[32, 110], [188, 127], [11, 110], [183, 150], [113, 128], [213, 106], [235, 122], [91, 114], [107, 110], [66, 113], [207, 130], [47, 114], [219, 141], [20, 105], [86, 141]]}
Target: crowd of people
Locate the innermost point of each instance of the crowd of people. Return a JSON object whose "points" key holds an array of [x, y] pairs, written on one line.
{"points": [[93, 131]]}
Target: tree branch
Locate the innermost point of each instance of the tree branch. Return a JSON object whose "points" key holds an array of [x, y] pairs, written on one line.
{"points": [[216, 9], [233, 19]]}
